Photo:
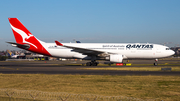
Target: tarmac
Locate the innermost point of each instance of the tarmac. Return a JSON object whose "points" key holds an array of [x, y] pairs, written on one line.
{"points": [[75, 68]]}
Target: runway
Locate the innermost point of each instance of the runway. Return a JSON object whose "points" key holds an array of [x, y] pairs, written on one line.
{"points": [[72, 67]]}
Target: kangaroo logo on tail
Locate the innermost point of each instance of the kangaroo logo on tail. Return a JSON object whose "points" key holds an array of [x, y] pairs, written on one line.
{"points": [[23, 35]]}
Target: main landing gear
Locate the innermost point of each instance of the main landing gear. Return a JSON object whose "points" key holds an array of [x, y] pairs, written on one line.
{"points": [[92, 63], [156, 62]]}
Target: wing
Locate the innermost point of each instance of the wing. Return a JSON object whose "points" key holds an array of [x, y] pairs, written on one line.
{"points": [[24, 46], [84, 51]]}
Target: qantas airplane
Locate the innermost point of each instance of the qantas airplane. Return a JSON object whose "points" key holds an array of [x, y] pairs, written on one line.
{"points": [[112, 52]]}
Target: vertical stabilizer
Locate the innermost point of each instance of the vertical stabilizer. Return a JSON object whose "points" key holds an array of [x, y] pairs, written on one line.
{"points": [[24, 37]]}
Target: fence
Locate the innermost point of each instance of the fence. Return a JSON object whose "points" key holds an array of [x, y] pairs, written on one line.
{"points": [[33, 95]]}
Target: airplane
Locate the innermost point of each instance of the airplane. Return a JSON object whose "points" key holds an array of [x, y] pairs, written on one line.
{"points": [[112, 52], [10, 54]]}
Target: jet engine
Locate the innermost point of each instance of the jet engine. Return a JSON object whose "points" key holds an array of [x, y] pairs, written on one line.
{"points": [[115, 58]]}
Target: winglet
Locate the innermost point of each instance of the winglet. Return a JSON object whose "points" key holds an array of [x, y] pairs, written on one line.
{"points": [[58, 43]]}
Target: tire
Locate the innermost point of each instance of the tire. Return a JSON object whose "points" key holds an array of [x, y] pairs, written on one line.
{"points": [[94, 64], [155, 64], [88, 64]]}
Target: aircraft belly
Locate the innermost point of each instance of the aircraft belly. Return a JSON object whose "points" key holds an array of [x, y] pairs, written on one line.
{"points": [[131, 54], [61, 53]]}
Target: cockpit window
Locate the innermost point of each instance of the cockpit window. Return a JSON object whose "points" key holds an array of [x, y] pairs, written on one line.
{"points": [[167, 48]]}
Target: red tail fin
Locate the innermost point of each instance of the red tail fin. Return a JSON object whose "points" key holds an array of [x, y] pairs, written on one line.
{"points": [[19, 30], [23, 36]]}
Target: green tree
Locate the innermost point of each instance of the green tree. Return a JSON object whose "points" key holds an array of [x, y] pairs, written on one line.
{"points": [[3, 58]]}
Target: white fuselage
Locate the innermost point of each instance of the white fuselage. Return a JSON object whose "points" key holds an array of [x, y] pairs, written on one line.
{"points": [[128, 50]]}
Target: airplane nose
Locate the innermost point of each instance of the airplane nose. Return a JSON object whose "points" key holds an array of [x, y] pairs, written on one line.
{"points": [[172, 52]]}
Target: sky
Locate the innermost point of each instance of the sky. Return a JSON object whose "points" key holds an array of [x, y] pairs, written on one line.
{"points": [[94, 21]]}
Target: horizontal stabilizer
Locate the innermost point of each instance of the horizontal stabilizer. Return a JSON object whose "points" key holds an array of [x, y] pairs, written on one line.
{"points": [[24, 46]]}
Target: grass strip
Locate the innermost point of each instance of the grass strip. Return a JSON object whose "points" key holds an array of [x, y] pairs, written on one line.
{"points": [[143, 87]]}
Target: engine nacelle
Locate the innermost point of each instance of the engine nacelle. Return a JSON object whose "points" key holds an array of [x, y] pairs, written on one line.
{"points": [[116, 58]]}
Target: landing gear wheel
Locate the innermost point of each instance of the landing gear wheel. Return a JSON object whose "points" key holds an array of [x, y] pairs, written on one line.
{"points": [[88, 64], [94, 64], [155, 64], [91, 63]]}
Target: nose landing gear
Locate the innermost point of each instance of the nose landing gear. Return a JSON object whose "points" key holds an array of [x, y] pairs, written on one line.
{"points": [[156, 62]]}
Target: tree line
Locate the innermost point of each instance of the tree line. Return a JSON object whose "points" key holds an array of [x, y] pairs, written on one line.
{"points": [[3, 58]]}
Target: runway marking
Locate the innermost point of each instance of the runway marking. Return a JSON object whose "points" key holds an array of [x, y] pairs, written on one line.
{"points": [[9, 68], [54, 64]]}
